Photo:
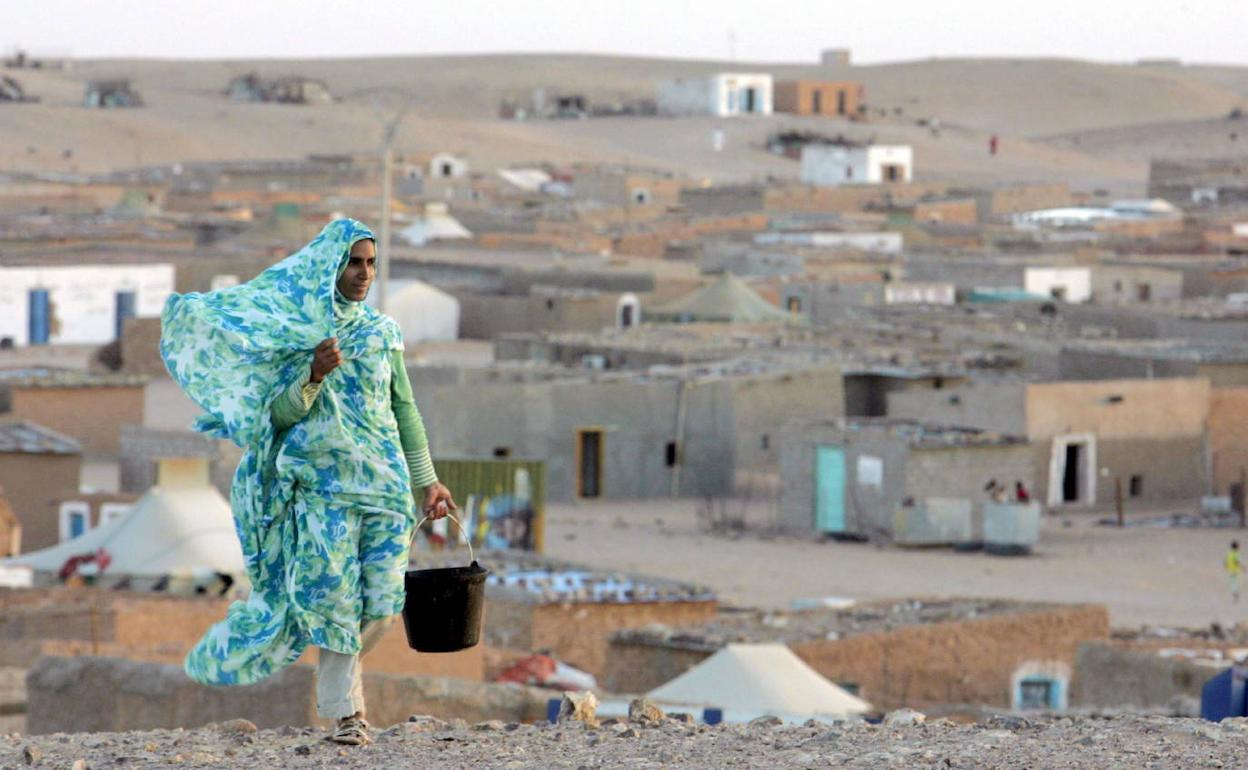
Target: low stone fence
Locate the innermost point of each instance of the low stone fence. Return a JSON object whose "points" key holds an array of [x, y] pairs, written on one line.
{"points": [[89, 694]]}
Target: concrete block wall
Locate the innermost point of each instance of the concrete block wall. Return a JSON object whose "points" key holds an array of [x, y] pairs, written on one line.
{"points": [[962, 472], [1117, 677], [868, 509], [979, 404]]}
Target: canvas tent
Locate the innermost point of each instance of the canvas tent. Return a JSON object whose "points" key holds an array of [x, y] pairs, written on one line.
{"points": [[172, 530], [727, 300], [752, 680], [436, 225], [423, 312]]}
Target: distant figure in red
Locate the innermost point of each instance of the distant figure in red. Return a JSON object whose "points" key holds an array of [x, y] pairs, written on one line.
{"points": [[1021, 495], [993, 143]]}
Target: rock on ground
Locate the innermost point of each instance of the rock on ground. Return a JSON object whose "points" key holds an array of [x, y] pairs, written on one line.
{"points": [[1050, 741]]}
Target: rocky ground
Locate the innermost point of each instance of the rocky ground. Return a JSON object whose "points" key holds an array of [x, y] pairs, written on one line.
{"points": [[1002, 742]]}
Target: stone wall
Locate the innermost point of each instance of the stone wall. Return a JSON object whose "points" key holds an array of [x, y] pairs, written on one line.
{"points": [[958, 662], [88, 694], [969, 661], [1111, 676]]}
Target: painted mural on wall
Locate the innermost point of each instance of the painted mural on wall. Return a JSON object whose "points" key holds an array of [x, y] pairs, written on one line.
{"points": [[502, 504]]}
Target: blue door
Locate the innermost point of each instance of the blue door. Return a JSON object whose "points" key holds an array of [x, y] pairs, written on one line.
{"points": [[829, 489], [40, 316], [125, 309]]}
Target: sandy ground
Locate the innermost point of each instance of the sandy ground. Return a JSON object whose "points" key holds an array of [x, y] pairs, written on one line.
{"points": [[1144, 575], [1005, 742]]}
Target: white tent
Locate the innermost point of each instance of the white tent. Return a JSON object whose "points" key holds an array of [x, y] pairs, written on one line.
{"points": [[170, 531], [423, 312], [751, 680], [434, 226]]}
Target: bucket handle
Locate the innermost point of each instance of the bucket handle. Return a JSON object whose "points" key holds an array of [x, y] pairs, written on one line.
{"points": [[451, 516]]}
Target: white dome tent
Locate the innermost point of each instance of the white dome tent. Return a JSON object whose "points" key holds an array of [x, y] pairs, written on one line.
{"points": [[182, 527], [424, 313], [746, 681]]}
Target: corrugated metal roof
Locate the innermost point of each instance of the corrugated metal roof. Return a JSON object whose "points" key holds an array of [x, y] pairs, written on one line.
{"points": [[29, 438]]}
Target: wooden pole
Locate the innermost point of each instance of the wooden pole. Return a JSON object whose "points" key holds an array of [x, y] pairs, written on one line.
{"points": [[1243, 494], [1118, 499]]}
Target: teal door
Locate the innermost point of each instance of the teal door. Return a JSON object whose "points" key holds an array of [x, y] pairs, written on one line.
{"points": [[829, 489]]}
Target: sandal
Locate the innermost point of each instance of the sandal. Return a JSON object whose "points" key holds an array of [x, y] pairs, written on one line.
{"points": [[352, 731]]}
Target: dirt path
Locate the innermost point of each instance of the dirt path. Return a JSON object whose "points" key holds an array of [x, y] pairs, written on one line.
{"points": [[1144, 575]]}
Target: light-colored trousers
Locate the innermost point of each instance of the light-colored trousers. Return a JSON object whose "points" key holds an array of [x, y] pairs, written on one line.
{"points": [[339, 684]]}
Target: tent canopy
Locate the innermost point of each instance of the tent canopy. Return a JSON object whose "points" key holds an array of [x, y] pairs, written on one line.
{"points": [[170, 531], [424, 313], [759, 679], [728, 300]]}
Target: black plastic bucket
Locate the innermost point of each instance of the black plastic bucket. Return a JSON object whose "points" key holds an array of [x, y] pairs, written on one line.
{"points": [[442, 611]]}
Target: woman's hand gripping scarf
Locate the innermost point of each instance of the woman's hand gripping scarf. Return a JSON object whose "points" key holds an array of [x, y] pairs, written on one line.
{"points": [[233, 351]]}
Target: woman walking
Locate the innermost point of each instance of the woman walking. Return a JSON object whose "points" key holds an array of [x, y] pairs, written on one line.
{"points": [[293, 367]]}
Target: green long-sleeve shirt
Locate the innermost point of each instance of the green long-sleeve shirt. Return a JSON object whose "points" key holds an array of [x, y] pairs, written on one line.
{"points": [[296, 401]]}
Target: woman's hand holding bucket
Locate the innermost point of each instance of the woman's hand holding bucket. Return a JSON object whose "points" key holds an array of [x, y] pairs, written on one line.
{"points": [[438, 501]]}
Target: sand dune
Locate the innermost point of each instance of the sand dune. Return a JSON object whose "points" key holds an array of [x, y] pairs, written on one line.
{"points": [[1178, 139]]}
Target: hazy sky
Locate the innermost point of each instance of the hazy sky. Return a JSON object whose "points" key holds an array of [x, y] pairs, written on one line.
{"points": [[876, 30]]}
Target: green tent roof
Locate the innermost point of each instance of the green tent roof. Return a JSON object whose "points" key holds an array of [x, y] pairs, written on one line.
{"points": [[728, 300]]}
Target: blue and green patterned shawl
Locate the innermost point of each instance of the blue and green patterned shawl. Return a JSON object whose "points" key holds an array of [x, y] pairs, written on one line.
{"points": [[233, 351]]}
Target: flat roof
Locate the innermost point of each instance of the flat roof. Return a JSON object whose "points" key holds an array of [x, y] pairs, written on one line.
{"points": [[1196, 351], [532, 578], [919, 435]]}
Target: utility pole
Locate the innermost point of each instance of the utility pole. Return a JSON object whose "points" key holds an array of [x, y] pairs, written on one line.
{"points": [[387, 192], [1118, 498], [1242, 497]]}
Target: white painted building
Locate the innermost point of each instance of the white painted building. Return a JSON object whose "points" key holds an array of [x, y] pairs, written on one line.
{"points": [[447, 166], [1068, 284], [836, 165], [78, 305], [723, 95]]}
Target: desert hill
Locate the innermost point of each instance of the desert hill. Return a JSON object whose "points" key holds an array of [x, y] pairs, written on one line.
{"points": [[453, 103]]}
